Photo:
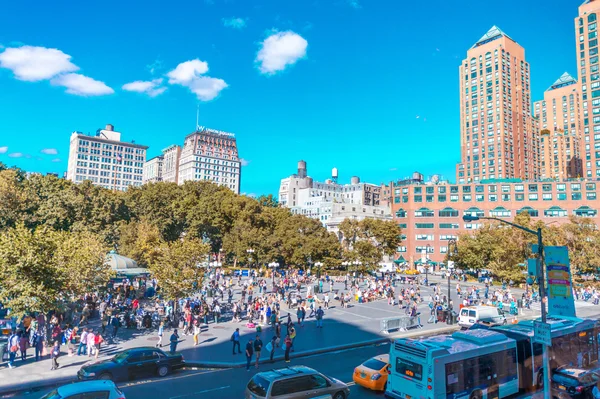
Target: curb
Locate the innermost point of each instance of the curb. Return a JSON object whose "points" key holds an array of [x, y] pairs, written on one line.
{"points": [[24, 388], [354, 345]]}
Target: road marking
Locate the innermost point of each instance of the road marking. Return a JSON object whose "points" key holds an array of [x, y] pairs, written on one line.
{"points": [[199, 392], [178, 377]]}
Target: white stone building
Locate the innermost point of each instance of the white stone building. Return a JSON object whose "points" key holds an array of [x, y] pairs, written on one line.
{"points": [[105, 160]]}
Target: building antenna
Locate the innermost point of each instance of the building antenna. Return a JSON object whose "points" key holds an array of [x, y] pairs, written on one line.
{"points": [[197, 116]]}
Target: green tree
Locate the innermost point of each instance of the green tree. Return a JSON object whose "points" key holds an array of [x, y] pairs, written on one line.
{"points": [[178, 267], [140, 241], [268, 201]]}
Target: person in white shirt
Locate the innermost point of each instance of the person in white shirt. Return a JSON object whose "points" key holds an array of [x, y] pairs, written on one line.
{"points": [[326, 300]]}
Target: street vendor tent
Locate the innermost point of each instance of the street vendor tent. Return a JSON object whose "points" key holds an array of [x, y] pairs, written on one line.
{"points": [[124, 266]]}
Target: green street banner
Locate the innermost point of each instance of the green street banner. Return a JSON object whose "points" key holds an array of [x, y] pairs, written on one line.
{"points": [[560, 286]]}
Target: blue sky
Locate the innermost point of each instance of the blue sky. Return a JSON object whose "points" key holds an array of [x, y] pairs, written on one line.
{"points": [[367, 86]]}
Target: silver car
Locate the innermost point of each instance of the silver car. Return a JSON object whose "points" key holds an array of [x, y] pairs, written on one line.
{"points": [[295, 382]]}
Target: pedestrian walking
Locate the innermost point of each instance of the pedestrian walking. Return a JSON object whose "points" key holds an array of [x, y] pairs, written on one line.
{"points": [[271, 346], [249, 352], [82, 342], [98, 339], [13, 347], [161, 329], [54, 354], [292, 336], [174, 340], [326, 300], [257, 348], [196, 332], [38, 344], [91, 339], [235, 338], [23, 341], [288, 346], [114, 322], [217, 313], [319, 316]]}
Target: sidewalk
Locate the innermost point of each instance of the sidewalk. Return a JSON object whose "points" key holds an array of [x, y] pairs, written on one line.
{"points": [[355, 326]]}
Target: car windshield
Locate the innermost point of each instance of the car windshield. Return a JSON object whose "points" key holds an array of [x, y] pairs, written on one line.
{"points": [[121, 357], [258, 385], [374, 364], [52, 395]]}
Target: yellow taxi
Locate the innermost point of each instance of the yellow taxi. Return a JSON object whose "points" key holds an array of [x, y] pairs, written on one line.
{"points": [[412, 272], [373, 373]]}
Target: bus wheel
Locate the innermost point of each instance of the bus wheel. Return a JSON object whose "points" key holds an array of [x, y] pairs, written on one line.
{"points": [[476, 395], [540, 379]]}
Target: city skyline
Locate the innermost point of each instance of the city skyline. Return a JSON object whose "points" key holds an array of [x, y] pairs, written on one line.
{"points": [[269, 102]]}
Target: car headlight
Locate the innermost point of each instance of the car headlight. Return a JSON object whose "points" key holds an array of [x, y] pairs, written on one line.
{"points": [[86, 374], [375, 376]]}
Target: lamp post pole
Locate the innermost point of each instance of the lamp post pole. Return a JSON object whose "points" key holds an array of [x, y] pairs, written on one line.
{"points": [[541, 283], [250, 251], [427, 265], [450, 252]]}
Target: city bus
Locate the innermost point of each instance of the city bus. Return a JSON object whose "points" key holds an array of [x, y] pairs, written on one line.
{"points": [[574, 344], [472, 364]]}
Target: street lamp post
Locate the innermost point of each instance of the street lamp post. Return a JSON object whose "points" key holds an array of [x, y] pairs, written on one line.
{"points": [[451, 242], [319, 265], [273, 266], [250, 251], [541, 284], [426, 266]]}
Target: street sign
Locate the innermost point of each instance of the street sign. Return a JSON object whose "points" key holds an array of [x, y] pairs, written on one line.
{"points": [[542, 333]]}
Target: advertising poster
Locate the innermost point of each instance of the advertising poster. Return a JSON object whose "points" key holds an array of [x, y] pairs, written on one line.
{"points": [[560, 286]]}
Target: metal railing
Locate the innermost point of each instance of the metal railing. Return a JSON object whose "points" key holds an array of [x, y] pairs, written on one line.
{"points": [[400, 323]]}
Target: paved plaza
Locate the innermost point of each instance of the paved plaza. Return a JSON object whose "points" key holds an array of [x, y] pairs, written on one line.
{"points": [[355, 326]]}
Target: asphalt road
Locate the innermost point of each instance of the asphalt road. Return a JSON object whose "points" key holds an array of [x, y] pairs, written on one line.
{"points": [[231, 383]]}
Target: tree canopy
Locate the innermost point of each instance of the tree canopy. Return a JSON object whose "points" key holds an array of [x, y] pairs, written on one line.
{"points": [[504, 250]]}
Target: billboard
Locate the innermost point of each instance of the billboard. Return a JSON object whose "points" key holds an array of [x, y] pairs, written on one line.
{"points": [[560, 286]]}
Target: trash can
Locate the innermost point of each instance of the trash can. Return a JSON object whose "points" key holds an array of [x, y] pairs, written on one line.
{"points": [[317, 289], [519, 303], [448, 315]]}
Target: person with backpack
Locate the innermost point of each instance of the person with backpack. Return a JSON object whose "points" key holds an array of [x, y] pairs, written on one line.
{"points": [[249, 353], [54, 354], [319, 316], [235, 338]]}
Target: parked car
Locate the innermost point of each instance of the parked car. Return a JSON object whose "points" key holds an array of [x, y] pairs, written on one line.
{"points": [[294, 383], [373, 373], [573, 383], [470, 315], [87, 389], [131, 364]]}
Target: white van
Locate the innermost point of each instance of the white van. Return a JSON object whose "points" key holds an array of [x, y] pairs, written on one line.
{"points": [[470, 315]]}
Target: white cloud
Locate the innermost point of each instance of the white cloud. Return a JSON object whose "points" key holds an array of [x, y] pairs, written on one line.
{"points": [[3, 150], [150, 87], [56, 160], [187, 71], [81, 85], [33, 64], [354, 3], [280, 50], [189, 74], [235, 23], [49, 151], [244, 162], [15, 154]]}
